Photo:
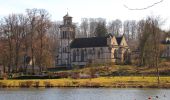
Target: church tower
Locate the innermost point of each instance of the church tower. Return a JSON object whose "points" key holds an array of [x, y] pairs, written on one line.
{"points": [[67, 35]]}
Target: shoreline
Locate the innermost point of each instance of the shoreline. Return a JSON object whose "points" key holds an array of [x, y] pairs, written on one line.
{"points": [[101, 82]]}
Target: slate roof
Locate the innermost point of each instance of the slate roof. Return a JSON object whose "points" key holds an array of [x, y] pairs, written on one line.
{"points": [[92, 42], [119, 39], [89, 42]]}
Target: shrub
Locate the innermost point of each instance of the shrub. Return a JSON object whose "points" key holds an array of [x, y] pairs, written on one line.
{"points": [[47, 84], [26, 84]]}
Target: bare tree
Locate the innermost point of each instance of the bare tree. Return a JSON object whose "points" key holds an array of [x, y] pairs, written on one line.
{"points": [[7, 26], [144, 8], [84, 27], [54, 37], [92, 26], [25, 36], [43, 24], [150, 43], [115, 27], [133, 29], [130, 29], [32, 15], [126, 29]]}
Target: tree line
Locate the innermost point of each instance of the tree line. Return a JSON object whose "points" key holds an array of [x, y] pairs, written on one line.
{"points": [[25, 39], [32, 39], [87, 27]]}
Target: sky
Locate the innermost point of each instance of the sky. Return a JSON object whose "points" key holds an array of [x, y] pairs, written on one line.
{"points": [[108, 9]]}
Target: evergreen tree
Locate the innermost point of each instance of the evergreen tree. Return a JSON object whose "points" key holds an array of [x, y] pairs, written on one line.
{"points": [[101, 30]]}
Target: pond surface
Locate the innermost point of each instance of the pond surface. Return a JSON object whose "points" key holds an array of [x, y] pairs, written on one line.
{"points": [[83, 94]]}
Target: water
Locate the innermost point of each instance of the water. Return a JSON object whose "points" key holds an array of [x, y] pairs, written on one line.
{"points": [[83, 94]]}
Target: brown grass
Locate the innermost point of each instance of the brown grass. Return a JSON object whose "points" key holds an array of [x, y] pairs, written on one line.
{"points": [[120, 82]]}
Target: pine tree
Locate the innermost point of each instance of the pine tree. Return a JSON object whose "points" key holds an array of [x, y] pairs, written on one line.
{"points": [[101, 30]]}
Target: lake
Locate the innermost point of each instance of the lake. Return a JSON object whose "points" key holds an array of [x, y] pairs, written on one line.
{"points": [[83, 94]]}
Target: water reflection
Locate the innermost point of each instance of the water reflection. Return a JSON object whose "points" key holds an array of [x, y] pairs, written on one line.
{"points": [[83, 94]]}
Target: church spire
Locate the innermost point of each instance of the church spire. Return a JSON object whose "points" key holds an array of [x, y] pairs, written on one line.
{"points": [[67, 11], [67, 19]]}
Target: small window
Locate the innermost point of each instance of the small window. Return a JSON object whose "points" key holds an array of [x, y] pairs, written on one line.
{"points": [[82, 55], [115, 54], [101, 50], [93, 51], [74, 56], [99, 54], [77, 52], [89, 51]]}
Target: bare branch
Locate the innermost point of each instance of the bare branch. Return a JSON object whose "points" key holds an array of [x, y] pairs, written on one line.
{"points": [[143, 7]]}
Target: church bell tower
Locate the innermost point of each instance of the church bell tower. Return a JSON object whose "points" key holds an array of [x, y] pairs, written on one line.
{"points": [[67, 35]]}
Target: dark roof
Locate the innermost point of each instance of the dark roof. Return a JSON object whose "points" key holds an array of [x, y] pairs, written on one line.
{"points": [[89, 42], [92, 42], [119, 39]]}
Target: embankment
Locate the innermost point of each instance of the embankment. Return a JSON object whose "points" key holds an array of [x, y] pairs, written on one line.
{"points": [[113, 82]]}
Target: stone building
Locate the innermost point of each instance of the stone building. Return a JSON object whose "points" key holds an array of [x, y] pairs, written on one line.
{"points": [[82, 51], [166, 52], [67, 35]]}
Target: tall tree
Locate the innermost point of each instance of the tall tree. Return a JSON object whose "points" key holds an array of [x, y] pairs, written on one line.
{"points": [[150, 43], [32, 15], [133, 29], [115, 27], [101, 30], [92, 26], [43, 24], [84, 27], [130, 29], [25, 36], [53, 35], [126, 29]]}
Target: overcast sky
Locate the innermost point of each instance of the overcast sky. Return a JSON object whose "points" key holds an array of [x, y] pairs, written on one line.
{"points": [[109, 9]]}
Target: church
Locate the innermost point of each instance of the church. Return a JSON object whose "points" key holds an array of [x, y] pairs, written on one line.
{"points": [[94, 50]]}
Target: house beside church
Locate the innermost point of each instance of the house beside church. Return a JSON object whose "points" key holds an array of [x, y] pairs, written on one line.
{"points": [[82, 51], [166, 52]]}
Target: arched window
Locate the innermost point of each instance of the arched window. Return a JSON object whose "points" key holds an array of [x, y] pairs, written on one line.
{"points": [[101, 52], [78, 55], [115, 53], [82, 55], [98, 54], [126, 55], [74, 56], [93, 51], [63, 50], [90, 51], [63, 34], [85, 54]]}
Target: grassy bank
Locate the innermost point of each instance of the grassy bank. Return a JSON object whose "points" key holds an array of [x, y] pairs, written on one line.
{"points": [[115, 82]]}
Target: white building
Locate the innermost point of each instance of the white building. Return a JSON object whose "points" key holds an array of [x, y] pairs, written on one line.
{"points": [[67, 35], [166, 52]]}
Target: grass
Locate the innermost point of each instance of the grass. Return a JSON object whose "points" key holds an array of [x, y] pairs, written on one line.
{"points": [[117, 76], [126, 70], [107, 70], [123, 81]]}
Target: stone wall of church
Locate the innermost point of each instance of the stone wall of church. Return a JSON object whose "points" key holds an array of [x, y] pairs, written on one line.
{"points": [[100, 55]]}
